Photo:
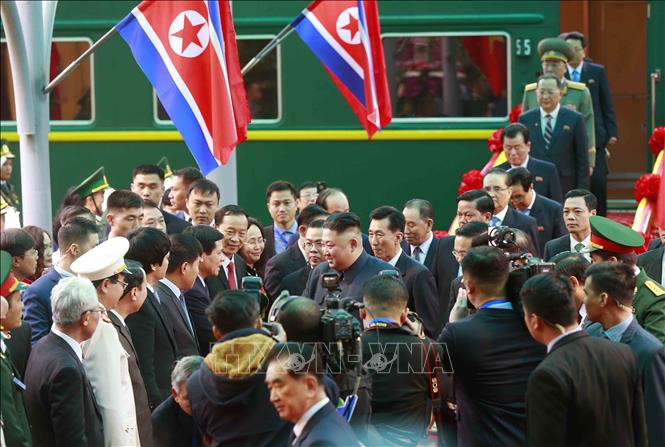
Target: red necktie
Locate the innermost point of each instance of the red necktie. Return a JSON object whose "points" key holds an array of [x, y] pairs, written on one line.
{"points": [[232, 276]]}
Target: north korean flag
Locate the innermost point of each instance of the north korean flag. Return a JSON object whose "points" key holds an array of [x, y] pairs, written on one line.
{"points": [[187, 49], [346, 37]]}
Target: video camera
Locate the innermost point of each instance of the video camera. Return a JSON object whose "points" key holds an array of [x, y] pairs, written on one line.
{"points": [[253, 285], [522, 264]]}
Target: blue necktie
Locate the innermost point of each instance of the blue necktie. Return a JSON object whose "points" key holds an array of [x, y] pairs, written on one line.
{"points": [[494, 221], [575, 76]]}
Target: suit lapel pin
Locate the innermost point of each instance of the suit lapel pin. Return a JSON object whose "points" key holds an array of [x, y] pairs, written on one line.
{"points": [[566, 127]]}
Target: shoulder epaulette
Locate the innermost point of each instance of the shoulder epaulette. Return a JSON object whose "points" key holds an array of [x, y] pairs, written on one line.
{"points": [[654, 287], [531, 86], [576, 85]]}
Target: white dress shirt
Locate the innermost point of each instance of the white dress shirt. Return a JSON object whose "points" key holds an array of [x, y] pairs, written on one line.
{"points": [[523, 165], [304, 419], [501, 216], [551, 344], [122, 320], [578, 69], [424, 247], [393, 261], [543, 120], [172, 287], [574, 242]]}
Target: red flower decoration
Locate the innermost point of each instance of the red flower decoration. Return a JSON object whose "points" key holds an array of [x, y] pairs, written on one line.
{"points": [[440, 233], [646, 187], [470, 180], [515, 113], [657, 140], [495, 142]]}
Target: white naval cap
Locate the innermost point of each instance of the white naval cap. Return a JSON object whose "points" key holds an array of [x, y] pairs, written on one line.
{"points": [[103, 261]]}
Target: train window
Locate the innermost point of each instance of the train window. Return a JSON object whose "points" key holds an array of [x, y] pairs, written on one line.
{"points": [[262, 83], [72, 101], [448, 77]]}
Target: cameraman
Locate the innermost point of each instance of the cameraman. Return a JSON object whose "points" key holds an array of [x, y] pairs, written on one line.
{"points": [[344, 253], [229, 399], [491, 354], [399, 364]]}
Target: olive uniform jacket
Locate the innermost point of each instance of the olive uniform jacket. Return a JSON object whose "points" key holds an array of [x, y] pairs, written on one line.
{"points": [[576, 96], [14, 417], [649, 305]]}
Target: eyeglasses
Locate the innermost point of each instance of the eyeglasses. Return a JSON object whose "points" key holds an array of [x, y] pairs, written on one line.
{"points": [[101, 309], [494, 189], [255, 242], [459, 254], [318, 245], [122, 283]]}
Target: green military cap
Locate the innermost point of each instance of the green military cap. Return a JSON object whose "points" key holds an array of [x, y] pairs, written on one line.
{"points": [[163, 163], [4, 151], [555, 48], [612, 236], [96, 182]]}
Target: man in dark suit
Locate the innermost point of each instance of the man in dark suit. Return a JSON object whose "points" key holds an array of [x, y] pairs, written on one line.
{"points": [[492, 355], [75, 238], [567, 395], [558, 135], [516, 147], [296, 282], [419, 241], [609, 300], [605, 125], [496, 184], [128, 304], [401, 403], [151, 327], [472, 206], [385, 234], [652, 262], [232, 221], [59, 399], [578, 207], [548, 213], [172, 423], [281, 202], [198, 297], [299, 397], [182, 272], [182, 180], [294, 257], [335, 201], [345, 255]]}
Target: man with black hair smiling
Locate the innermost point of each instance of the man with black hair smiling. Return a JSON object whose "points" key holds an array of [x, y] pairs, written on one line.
{"points": [[585, 385], [492, 355]]}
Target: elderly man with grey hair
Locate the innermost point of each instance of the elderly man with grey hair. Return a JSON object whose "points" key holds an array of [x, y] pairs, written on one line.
{"points": [[59, 399], [172, 423]]}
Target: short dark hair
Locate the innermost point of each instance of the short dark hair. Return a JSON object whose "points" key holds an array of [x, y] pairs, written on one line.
{"points": [[148, 246], [135, 276], [184, 248], [589, 198], [67, 212], [147, 203], [549, 76], [571, 264], [576, 35], [480, 198], [123, 199], [16, 241], [384, 293], [342, 222], [310, 213], [232, 310], [229, 210], [550, 296], [281, 185], [306, 185], [317, 224], [75, 231], [498, 171], [514, 129], [520, 176], [488, 266], [253, 221], [396, 220], [472, 229], [166, 201], [313, 365], [626, 258], [301, 319], [424, 207], [188, 175], [148, 170], [616, 279], [204, 186], [206, 235]]}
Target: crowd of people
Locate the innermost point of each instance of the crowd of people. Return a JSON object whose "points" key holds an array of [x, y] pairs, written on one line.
{"points": [[137, 319]]}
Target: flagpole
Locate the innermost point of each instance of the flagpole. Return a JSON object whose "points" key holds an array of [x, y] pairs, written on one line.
{"points": [[283, 34], [71, 67]]}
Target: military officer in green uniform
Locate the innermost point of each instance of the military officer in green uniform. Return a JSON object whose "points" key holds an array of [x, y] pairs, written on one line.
{"points": [[6, 169], [15, 425], [612, 241], [90, 193], [554, 56]]}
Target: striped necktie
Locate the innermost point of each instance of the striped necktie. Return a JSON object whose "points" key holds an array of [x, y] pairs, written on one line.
{"points": [[547, 136]]}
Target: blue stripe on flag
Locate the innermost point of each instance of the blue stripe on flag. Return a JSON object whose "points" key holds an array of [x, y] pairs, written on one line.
{"points": [[176, 106], [331, 59], [213, 9]]}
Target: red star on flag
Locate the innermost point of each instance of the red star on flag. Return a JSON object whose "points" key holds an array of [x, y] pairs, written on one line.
{"points": [[352, 26], [188, 34]]}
